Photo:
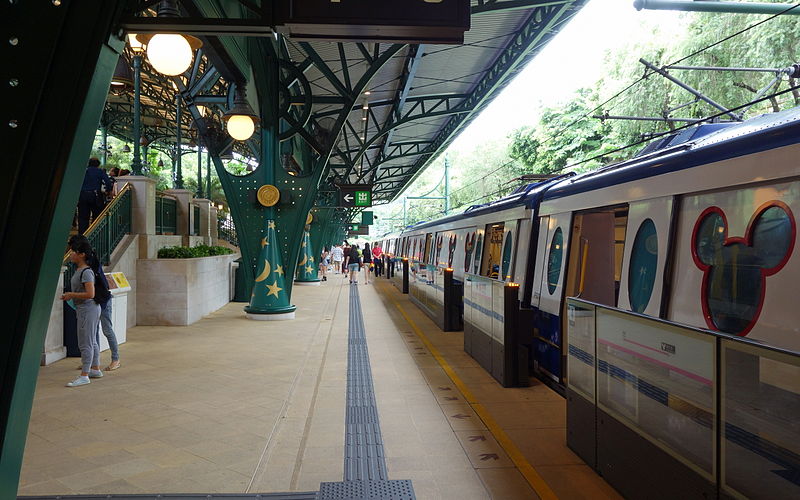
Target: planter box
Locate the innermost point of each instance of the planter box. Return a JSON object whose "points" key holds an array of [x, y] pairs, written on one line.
{"points": [[181, 291]]}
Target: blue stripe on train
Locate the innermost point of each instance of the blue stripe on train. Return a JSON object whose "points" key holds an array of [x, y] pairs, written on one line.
{"points": [[733, 433]]}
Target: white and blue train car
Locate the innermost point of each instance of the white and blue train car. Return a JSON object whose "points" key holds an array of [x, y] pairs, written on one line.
{"points": [[698, 230]]}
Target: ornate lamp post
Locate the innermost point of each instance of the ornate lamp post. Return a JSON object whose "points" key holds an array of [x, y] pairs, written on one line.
{"points": [[136, 46]]}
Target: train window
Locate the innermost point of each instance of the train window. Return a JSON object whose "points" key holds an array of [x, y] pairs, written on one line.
{"points": [[643, 266], [554, 260], [478, 254], [492, 251], [507, 247], [469, 248], [426, 257]]}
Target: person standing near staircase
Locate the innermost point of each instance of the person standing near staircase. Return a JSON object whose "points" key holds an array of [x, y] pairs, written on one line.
{"points": [[91, 201], [106, 323]]}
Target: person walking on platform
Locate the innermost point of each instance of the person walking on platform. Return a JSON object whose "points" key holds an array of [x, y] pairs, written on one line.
{"points": [[367, 262], [324, 262], [377, 259], [87, 310], [92, 198], [337, 254], [354, 263], [346, 250], [106, 323]]}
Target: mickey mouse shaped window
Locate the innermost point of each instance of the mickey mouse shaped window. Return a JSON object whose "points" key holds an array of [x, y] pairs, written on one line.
{"points": [[735, 269]]}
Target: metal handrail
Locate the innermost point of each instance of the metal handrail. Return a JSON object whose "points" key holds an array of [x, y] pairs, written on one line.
{"points": [[96, 222]]}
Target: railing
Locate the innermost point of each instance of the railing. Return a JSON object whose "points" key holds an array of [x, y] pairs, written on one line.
{"points": [[227, 231], [195, 220], [107, 230], [166, 214], [726, 407]]}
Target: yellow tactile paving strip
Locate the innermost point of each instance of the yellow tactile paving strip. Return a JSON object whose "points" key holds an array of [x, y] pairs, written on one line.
{"points": [[514, 438]]}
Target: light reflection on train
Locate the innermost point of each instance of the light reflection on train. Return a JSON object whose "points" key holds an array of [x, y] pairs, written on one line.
{"points": [[698, 229]]}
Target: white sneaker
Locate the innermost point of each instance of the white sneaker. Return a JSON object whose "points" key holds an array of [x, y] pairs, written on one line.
{"points": [[95, 374], [81, 380]]}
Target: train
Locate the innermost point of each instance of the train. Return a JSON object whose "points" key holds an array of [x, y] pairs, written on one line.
{"points": [[698, 229]]}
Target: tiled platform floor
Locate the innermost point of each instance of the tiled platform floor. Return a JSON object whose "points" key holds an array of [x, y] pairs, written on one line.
{"points": [[232, 405]]}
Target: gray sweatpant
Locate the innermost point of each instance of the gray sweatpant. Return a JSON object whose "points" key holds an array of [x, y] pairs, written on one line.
{"points": [[88, 320]]}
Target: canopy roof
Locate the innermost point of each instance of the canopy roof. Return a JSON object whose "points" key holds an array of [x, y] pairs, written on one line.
{"points": [[417, 97]]}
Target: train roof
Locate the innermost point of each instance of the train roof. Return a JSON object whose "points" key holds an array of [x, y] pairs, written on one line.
{"points": [[528, 195], [689, 148]]}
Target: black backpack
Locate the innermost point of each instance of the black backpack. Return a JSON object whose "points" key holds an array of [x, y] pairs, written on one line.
{"points": [[101, 292]]}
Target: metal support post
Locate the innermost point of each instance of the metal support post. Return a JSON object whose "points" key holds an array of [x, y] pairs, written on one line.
{"points": [[178, 144], [104, 131], [208, 174], [446, 184], [199, 170], [729, 7], [136, 164]]}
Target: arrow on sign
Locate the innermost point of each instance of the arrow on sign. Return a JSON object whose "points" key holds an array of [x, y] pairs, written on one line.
{"points": [[348, 197], [460, 416], [477, 438], [487, 456]]}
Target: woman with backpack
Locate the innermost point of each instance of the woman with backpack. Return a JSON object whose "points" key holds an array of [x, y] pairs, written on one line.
{"points": [[354, 263], [83, 294]]}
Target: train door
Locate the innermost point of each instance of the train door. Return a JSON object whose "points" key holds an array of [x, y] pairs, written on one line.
{"points": [[554, 234], [507, 261], [476, 264], [642, 283], [594, 269], [492, 250]]}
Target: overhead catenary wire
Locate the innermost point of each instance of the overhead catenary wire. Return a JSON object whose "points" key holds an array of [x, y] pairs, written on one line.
{"points": [[647, 73]]}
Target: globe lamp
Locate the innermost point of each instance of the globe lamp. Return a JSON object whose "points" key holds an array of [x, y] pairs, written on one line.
{"points": [[240, 120]]}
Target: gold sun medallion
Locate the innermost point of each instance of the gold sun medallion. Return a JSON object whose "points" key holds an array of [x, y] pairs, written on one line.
{"points": [[268, 195]]}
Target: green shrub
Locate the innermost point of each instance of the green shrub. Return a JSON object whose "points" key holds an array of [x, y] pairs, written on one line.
{"points": [[180, 252]]}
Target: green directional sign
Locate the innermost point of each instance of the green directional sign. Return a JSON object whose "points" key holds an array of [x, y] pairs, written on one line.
{"points": [[355, 195], [363, 198]]}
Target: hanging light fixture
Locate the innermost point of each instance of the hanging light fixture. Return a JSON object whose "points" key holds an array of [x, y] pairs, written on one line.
{"points": [[240, 120], [135, 44], [126, 149], [169, 53], [123, 77], [160, 162]]}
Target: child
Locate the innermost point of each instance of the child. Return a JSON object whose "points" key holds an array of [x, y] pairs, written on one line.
{"points": [[87, 310]]}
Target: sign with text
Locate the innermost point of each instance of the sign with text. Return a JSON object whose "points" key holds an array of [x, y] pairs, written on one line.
{"points": [[358, 230], [355, 195], [367, 218]]}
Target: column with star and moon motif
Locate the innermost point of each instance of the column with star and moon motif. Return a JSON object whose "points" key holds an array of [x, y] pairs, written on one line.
{"points": [[269, 299], [307, 268]]}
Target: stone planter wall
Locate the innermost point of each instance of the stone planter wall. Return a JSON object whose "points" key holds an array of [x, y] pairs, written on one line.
{"points": [[181, 291]]}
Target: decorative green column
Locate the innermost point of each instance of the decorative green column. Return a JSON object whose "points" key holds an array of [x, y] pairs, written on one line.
{"points": [[270, 297], [307, 266]]}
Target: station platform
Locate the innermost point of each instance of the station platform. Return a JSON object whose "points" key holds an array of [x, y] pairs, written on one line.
{"points": [[229, 405]]}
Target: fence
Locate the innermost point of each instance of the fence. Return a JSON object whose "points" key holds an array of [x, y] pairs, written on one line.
{"points": [[227, 230], [166, 214], [195, 220], [107, 229], [722, 409]]}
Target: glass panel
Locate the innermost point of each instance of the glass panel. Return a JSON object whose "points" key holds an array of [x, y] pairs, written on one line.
{"points": [[554, 260], [581, 352], [478, 251], [507, 256], [469, 248], [497, 309], [659, 379], [643, 266], [761, 416]]}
